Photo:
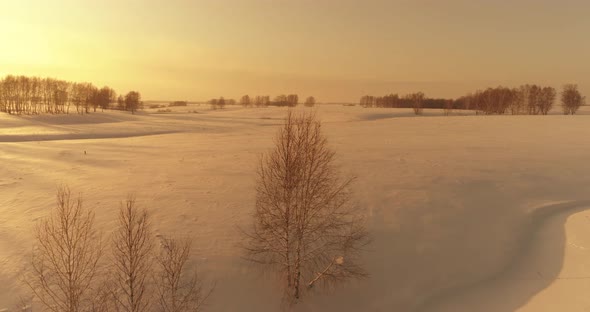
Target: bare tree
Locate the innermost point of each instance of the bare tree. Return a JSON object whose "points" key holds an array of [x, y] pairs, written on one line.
{"points": [[105, 97], [178, 289], [103, 297], [132, 101], [571, 99], [292, 100], [245, 101], [65, 261], [417, 100], [310, 101], [281, 100], [546, 100], [132, 257], [304, 224]]}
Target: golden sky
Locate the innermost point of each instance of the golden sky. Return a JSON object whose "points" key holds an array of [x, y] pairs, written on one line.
{"points": [[336, 50]]}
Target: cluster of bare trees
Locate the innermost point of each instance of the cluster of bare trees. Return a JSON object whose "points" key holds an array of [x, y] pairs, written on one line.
{"points": [[34, 95], [526, 99], [71, 271], [417, 101], [221, 102], [305, 226], [571, 99], [258, 101], [290, 100]]}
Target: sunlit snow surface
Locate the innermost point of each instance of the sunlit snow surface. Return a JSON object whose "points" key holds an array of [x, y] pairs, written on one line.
{"points": [[449, 200]]}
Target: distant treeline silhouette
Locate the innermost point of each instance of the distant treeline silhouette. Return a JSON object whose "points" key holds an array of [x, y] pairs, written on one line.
{"points": [[282, 100], [526, 99], [35, 95]]}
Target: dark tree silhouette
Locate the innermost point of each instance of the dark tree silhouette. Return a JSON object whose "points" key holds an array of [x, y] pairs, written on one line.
{"points": [[310, 101], [132, 101], [571, 99]]}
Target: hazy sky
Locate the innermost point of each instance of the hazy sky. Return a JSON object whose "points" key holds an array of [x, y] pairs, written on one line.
{"points": [[336, 50]]}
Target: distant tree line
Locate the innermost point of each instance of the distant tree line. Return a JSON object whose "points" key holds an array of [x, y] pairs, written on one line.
{"points": [[290, 100], [416, 101], [35, 95], [526, 99], [178, 103], [258, 101], [221, 102], [282, 100]]}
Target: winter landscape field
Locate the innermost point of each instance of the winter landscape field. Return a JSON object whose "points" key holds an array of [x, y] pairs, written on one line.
{"points": [[466, 212]]}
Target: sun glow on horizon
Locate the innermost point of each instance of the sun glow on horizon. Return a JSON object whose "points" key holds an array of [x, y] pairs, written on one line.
{"points": [[335, 50]]}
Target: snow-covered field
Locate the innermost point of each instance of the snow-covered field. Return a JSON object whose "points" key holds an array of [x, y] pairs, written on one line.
{"points": [[467, 213]]}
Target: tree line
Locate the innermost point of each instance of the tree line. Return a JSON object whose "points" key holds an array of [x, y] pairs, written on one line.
{"points": [[526, 99], [290, 100], [35, 95]]}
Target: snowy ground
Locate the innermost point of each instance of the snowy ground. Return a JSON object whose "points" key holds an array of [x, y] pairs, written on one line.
{"points": [[467, 213]]}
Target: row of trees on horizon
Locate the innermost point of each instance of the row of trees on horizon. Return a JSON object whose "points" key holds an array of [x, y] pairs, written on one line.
{"points": [[526, 99], [282, 100], [35, 95]]}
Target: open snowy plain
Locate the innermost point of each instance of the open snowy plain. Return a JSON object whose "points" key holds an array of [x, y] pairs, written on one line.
{"points": [[467, 213]]}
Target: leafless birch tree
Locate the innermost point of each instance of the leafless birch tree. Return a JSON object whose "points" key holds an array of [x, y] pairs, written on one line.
{"points": [[304, 224], [132, 257], [178, 288], [65, 261]]}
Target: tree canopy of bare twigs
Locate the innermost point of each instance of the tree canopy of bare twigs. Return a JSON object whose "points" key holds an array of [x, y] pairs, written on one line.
{"points": [[133, 101], [178, 288], [34, 95], [65, 261], [310, 101], [305, 226], [571, 99], [133, 259], [417, 100], [245, 101]]}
